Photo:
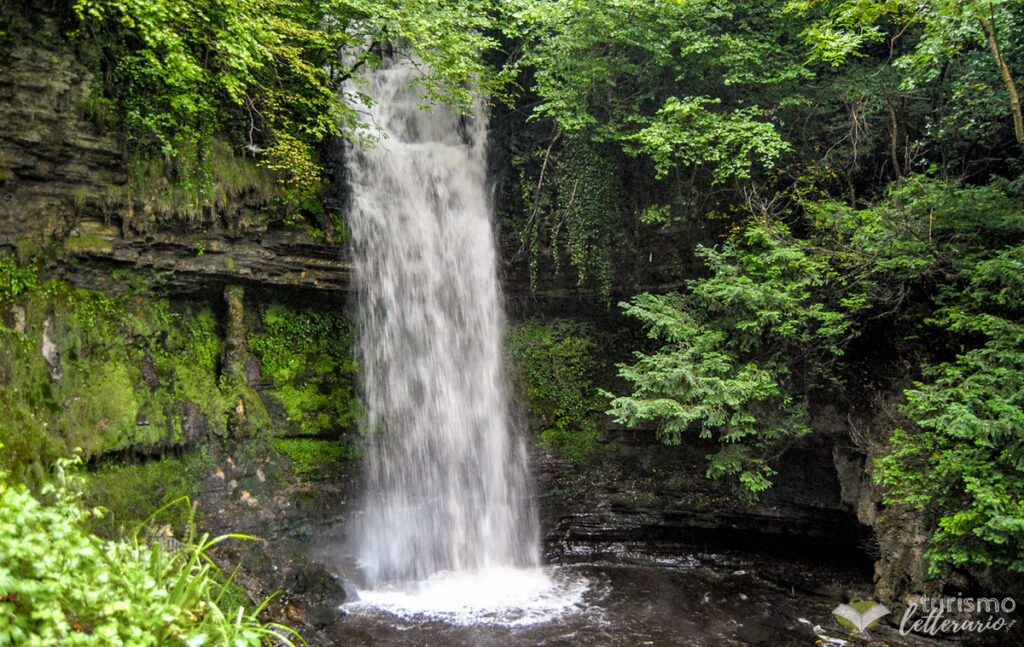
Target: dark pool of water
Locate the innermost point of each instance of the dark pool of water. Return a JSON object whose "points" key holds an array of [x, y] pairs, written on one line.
{"points": [[642, 599]]}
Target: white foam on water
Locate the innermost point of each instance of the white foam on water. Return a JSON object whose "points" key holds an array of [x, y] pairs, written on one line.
{"points": [[500, 596]]}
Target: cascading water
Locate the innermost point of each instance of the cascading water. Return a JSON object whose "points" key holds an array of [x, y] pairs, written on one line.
{"points": [[446, 481]]}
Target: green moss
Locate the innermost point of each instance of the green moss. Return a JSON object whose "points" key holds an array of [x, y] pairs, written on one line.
{"points": [[577, 444], [27, 443], [313, 458], [103, 400], [29, 437], [107, 405], [102, 412], [555, 370], [187, 363], [131, 364], [307, 357], [88, 242]]}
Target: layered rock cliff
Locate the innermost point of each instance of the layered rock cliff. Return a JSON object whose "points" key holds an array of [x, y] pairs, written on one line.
{"points": [[66, 188]]}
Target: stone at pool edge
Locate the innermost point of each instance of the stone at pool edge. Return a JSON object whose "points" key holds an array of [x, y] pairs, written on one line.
{"points": [[323, 592]]}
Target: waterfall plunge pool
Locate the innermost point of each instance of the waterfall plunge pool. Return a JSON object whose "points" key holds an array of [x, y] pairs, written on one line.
{"points": [[622, 596]]}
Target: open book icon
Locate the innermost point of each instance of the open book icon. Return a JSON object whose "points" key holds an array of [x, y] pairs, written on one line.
{"points": [[861, 621]]}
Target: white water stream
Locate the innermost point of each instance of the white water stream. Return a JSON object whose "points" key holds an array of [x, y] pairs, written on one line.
{"points": [[447, 527]]}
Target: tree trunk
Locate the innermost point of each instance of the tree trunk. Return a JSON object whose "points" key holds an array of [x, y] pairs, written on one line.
{"points": [[1004, 72], [894, 140]]}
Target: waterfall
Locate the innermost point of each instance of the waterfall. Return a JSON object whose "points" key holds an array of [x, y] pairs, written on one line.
{"points": [[446, 483]]}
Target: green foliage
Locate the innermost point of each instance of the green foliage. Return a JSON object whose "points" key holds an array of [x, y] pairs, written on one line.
{"points": [[612, 67], [590, 212], [307, 355], [738, 348], [745, 347], [180, 65], [942, 33], [963, 461], [314, 458], [845, 28], [687, 133], [15, 280], [582, 214], [63, 585], [444, 39], [648, 103], [556, 367]]}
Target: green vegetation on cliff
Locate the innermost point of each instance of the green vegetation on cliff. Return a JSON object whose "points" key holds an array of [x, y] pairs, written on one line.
{"points": [[555, 368], [962, 460], [312, 458], [307, 357], [106, 373], [139, 374], [261, 76], [782, 318], [644, 108]]}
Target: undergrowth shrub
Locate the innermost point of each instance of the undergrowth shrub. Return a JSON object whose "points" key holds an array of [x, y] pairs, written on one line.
{"points": [[61, 585]]}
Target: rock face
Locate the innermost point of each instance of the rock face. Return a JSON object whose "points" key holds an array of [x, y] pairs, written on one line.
{"points": [[651, 493], [62, 171], [53, 162], [270, 255]]}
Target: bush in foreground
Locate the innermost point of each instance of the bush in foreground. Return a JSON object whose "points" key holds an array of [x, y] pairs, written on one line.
{"points": [[62, 585]]}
